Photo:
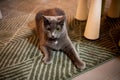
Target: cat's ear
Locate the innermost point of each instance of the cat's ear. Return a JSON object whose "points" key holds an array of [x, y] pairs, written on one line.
{"points": [[61, 20], [46, 20]]}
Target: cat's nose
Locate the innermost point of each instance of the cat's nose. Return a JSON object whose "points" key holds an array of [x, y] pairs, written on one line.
{"points": [[53, 36]]}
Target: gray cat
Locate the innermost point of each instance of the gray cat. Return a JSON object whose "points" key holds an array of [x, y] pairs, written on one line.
{"points": [[52, 33]]}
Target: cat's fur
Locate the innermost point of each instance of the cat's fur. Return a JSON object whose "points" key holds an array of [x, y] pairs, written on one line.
{"points": [[53, 35]]}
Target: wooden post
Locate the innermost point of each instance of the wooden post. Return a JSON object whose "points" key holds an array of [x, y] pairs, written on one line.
{"points": [[93, 23], [114, 10], [82, 10]]}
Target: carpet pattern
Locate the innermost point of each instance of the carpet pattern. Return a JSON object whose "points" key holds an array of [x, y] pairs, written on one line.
{"points": [[115, 31], [24, 58], [20, 58]]}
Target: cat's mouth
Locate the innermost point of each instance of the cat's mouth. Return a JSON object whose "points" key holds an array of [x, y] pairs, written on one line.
{"points": [[53, 39]]}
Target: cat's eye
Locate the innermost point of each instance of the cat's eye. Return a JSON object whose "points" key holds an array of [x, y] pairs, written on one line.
{"points": [[48, 28], [58, 29]]}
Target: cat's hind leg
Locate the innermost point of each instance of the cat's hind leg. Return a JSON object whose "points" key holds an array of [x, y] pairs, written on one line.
{"points": [[70, 51]]}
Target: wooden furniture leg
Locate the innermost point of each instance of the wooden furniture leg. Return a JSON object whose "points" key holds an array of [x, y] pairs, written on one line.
{"points": [[82, 10], [93, 23], [114, 10]]}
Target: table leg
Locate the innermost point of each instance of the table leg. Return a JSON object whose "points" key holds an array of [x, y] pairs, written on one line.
{"points": [[114, 10], [93, 23], [82, 10]]}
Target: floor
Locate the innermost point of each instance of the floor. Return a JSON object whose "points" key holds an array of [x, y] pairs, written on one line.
{"points": [[108, 71]]}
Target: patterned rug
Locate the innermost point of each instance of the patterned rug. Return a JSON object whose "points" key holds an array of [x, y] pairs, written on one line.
{"points": [[115, 31], [20, 58]]}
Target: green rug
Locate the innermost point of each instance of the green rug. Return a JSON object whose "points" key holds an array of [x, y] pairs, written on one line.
{"points": [[21, 59], [115, 31]]}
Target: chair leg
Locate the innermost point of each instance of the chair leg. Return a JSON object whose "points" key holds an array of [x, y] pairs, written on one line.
{"points": [[93, 23], [82, 10], [114, 10]]}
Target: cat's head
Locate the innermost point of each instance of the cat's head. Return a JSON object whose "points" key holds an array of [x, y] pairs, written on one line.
{"points": [[54, 26]]}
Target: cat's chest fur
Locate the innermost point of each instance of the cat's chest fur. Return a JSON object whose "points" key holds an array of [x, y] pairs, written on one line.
{"points": [[56, 45], [53, 45]]}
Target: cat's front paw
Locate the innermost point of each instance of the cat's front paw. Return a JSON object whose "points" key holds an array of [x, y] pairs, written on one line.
{"points": [[80, 65], [47, 60]]}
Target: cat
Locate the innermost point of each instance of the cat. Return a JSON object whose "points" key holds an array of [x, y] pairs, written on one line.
{"points": [[52, 32]]}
